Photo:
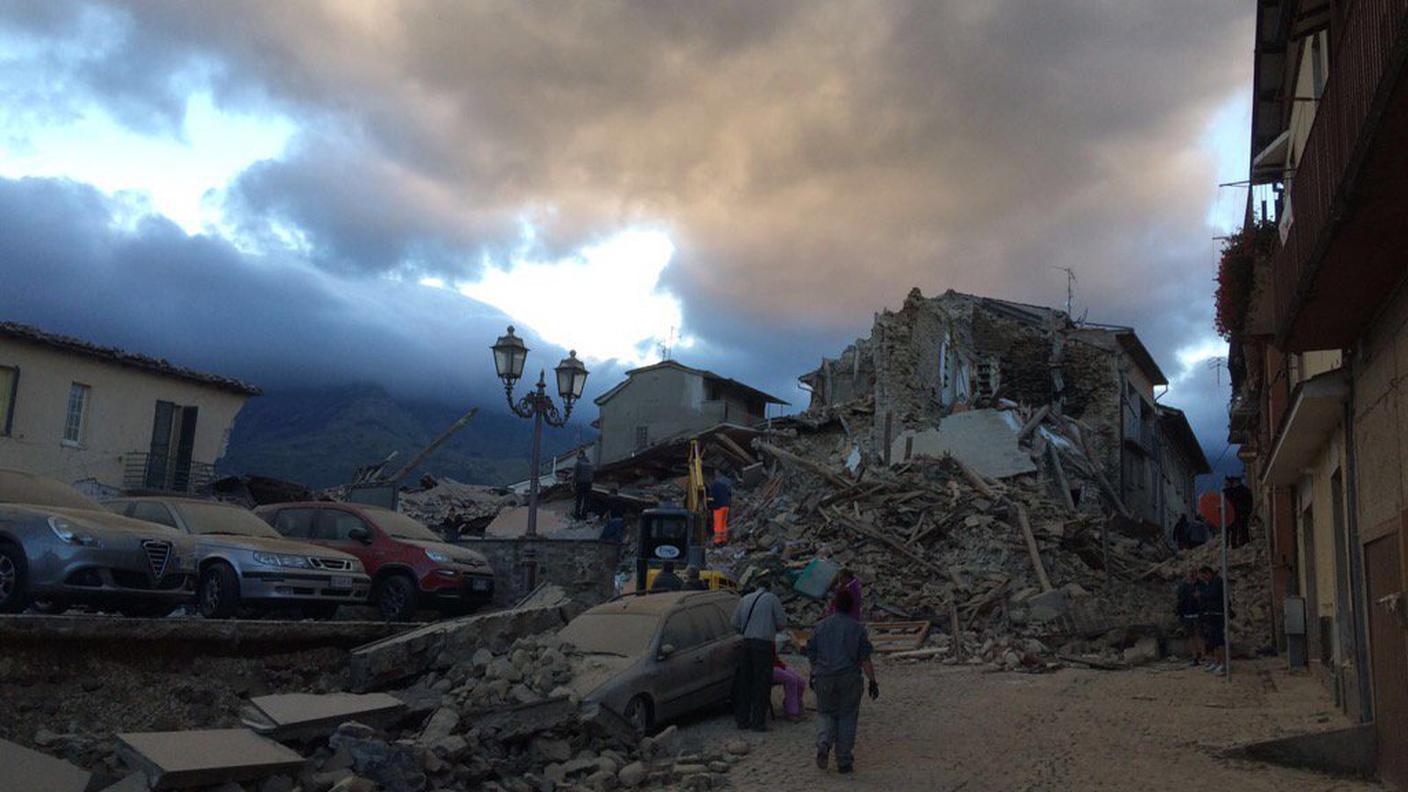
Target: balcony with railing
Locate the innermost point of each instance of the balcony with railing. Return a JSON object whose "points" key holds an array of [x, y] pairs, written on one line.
{"points": [[165, 473], [1342, 252], [1242, 414]]}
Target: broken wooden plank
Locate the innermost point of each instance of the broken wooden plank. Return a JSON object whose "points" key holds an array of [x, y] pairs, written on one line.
{"points": [[1059, 473], [1033, 422], [729, 445], [979, 483], [789, 458], [1100, 664], [1032, 548]]}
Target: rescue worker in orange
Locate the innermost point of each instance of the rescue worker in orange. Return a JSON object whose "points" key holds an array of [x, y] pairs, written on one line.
{"points": [[720, 499]]}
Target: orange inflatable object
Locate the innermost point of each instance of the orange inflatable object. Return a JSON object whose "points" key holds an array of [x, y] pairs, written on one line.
{"points": [[1209, 504]]}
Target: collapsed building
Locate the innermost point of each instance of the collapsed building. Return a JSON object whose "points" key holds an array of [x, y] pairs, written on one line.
{"points": [[935, 357]]}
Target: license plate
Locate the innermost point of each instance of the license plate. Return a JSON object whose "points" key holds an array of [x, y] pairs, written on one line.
{"points": [[340, 582], [480, 585]]}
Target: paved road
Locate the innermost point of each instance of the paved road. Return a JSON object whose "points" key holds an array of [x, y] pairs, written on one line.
{"points": [[948, 728]]}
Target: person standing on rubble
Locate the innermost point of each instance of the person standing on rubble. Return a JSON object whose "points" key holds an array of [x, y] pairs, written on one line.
{"points": [[758, 618], [582, 475], [720, 499], [1239, 500], [839, 651]]}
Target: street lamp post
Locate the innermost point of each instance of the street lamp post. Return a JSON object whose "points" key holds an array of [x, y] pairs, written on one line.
{"points": [[509, 357]]}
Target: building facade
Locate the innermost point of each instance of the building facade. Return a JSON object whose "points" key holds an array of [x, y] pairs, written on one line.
{"points": [[959, 351], [659, 402], [1319, 345], [106, 419]]}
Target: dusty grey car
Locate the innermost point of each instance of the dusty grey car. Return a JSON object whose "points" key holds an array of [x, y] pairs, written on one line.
{"points": [[59, 547], [655, 657], [245, 564]]}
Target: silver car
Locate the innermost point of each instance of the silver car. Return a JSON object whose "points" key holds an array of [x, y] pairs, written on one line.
{"points": [[655, 657], [59, 547], [244, 563]]}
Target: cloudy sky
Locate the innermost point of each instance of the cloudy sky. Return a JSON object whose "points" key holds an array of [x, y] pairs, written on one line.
{"points": [[309, 192]]}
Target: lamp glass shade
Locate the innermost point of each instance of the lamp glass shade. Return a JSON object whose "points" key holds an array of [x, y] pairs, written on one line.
{"points": [[571, 377], [509, 356]]}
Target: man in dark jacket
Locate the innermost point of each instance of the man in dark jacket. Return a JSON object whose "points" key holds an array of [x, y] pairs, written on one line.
{"points": [[1213, 618], [1190, 616], [582, 475], [666, 579], [839, 651], [1239, 503]]}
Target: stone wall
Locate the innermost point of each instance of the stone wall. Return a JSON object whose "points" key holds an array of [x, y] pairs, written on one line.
{"points": [[584, 568]]}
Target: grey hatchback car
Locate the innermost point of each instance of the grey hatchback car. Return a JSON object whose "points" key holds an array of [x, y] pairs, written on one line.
{"points": [[244, 564], [655, 657], [59, 547]]}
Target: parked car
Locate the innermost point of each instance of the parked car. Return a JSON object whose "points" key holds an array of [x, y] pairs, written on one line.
{"points": [[655, 657], [409, 565], [244, 563], [59, 547]]}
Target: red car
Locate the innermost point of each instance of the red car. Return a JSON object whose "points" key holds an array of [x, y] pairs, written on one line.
{"points": [[409, 565]]}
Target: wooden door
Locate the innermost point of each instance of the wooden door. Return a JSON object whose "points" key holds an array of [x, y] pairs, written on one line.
{"points": [[1388, 647]]}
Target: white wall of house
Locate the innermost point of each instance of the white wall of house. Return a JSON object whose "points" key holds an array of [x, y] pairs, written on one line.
{"points": [[116, 419], [652, 406]]}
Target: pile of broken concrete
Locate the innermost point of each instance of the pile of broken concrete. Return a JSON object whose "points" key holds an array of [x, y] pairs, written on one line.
{"points": [[475, 705], [1010, 564]]}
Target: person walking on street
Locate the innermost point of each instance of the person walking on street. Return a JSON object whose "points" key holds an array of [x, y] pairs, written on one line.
{"points": [[720, 499], [839, 651], [1213, 620], [758, 618], [1190, 616], [582, 474], [666, 579]]}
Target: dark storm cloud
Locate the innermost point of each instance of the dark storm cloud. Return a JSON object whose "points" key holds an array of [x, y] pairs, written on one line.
{"points": [[812, 161], [67, 267]]}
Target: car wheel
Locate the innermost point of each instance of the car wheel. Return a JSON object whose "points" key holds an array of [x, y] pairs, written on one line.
{"points": [[219, 592], [396, 598], [14, 595], [641, 713]]}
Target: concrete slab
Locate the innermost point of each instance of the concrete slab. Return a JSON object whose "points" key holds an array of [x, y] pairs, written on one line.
{"points": [[986, 440], [381, 663], [305, 716], [26, 770], [205, 757]]}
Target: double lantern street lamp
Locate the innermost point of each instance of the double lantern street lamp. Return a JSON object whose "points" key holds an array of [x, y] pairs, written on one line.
{"points": [[509, 356]]}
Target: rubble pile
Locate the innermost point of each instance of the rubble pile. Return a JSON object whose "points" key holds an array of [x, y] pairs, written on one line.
{"points": [[1248, 585], [446, 501], [934, 540], [512, 721]]}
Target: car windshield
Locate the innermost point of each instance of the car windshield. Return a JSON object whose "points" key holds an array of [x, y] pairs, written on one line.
{"points": [[18, 487], [223, 518], [401, 526], [624, 634]]}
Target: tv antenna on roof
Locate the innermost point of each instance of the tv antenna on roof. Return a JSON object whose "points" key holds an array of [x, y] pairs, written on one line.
{"points": [[1070, 286], [666, 346], [1217, 364]]}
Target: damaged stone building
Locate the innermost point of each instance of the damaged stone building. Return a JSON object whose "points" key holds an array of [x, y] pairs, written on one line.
{"points": [[957, 352]]}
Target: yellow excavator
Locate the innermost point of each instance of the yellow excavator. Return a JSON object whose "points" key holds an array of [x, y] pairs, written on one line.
{"points": [[679, 535]]}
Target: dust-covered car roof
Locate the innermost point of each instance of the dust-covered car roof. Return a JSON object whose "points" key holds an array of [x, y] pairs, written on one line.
{"points": [[659, 602], [19, 487]]}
